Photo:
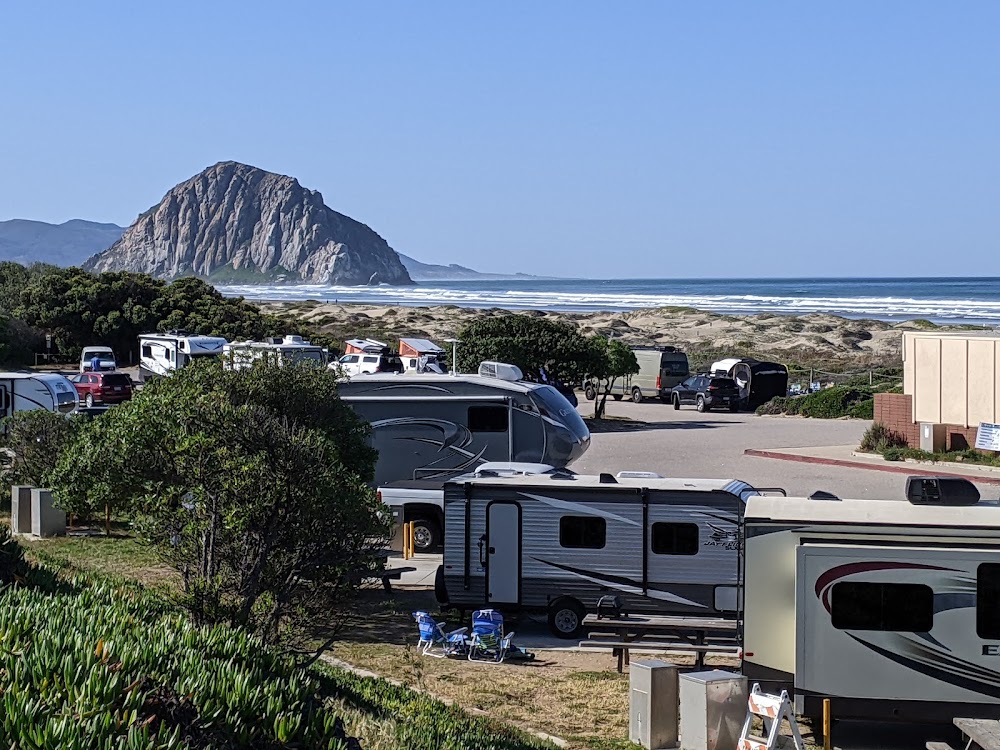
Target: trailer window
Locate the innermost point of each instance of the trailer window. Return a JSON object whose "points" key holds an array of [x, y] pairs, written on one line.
{"points": [[906, 607], [675, 539], [988, 601], [147, 350], [488, 418], [582, 532]]}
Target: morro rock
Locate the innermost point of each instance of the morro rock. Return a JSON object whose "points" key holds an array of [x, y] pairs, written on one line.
{"points": [[238, 223]]}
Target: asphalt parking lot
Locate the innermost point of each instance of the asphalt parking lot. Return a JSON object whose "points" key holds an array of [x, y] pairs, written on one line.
{"points": [[653, 436]]}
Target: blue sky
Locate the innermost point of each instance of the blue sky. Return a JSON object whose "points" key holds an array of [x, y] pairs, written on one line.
{"points": [[571, 138]]}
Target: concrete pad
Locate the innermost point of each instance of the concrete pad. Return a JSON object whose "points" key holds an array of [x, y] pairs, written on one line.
{"points": [[422, 578]]}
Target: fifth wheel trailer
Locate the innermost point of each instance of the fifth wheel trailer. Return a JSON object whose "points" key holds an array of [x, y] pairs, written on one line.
{"points": [[890, 609], [559, 542]]}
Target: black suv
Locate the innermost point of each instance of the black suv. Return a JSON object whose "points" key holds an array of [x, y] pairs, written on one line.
{"points": [[706, 392]]}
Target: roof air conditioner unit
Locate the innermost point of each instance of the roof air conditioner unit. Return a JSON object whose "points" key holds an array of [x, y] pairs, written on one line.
{"points": [[500, 370], [941, 491]]}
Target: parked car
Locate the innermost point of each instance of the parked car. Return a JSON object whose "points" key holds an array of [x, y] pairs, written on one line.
{"points": [[366, 364], [706, 392], [105, 357], [102, 387]]}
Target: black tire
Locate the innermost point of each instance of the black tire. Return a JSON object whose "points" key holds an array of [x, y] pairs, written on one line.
{"points": [[426, 535], [616, 396], [700, 404], [589, 392], [440, 589], [637, 395], [89, 401], [566, 618], [677, 401], [734, 407]]}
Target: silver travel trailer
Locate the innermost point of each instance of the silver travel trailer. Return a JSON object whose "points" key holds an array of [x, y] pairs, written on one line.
{"points": [[286, 349], [434, 427], [758, 381], [889, 608], [25, 391], [163, 353], [559, 542]]}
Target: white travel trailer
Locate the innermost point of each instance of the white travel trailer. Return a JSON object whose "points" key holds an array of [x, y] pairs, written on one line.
{"points": [[559, 542], [241, 354], [889, 608], [25, 391], [163, 353]]}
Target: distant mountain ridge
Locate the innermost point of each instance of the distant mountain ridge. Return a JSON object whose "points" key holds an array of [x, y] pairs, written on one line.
{"points": [[452, 272], [67, 244], [234, 221]]}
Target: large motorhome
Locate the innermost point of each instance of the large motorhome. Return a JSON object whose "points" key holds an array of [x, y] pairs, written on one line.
{"points": [[25, 391], [560, 541], [435, 427], [163, 353], [284, 350], [889, 608]]}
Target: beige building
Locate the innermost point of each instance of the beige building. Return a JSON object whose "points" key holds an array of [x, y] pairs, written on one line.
{"points": [[952, 378]]}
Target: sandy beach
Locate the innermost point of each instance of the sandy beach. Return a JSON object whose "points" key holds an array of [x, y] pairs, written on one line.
{"points": [[806, 340]]}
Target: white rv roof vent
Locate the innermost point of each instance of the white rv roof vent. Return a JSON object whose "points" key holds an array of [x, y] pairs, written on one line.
{"points": [[292, 339], [639, 475], [500, 370]]}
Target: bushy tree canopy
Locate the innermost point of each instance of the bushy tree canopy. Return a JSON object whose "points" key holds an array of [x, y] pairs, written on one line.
{"points": [[614, 360], [33, 442], [251, 483]]}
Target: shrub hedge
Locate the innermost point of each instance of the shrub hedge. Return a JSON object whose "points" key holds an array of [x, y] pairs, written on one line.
{"points": [[829, 403]]}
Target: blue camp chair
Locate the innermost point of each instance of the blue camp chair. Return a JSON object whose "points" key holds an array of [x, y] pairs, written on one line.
{"points": [[434, 641], [488, 641]]}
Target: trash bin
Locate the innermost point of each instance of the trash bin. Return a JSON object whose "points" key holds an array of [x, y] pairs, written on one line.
{"points": [[713, 709], [653, 704]]}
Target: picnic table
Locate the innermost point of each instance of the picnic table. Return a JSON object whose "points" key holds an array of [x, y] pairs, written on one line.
{"points": [[700, 635], [979, 733]]}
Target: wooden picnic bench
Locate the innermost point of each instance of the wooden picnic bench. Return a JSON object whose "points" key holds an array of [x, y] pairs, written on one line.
{"points": [[978, 733], [700, 635]]}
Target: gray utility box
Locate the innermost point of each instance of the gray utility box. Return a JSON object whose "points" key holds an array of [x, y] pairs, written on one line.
{"points": [[46, 519], [653, 704], [933, 437], [20, 509], [713, 709]]}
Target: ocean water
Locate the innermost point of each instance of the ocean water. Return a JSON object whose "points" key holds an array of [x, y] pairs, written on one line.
{"points": [[943, 300]]}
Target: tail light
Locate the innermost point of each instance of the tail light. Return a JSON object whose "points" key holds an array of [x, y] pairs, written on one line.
{"points": [[378, 495], [713, 387], [657, 382]]}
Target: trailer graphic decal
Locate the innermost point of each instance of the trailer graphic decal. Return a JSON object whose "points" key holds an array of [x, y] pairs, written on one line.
{"points": [[825, 582], [621, 583], [455, 438]]}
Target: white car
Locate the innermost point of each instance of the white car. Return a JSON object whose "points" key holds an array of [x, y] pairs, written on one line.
{"points": [[367, 364], [103, 353]]}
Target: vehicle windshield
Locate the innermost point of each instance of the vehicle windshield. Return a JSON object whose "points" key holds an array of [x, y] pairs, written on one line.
{"points": [[551, 403]]}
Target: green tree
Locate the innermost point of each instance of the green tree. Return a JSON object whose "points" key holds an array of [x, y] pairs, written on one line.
{"points": [[531, 343], [33, 442], [251, 483], [613, 360], [194, 305]]}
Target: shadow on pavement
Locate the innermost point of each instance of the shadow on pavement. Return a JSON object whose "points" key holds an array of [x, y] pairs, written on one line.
{"points": [[598, 426]]}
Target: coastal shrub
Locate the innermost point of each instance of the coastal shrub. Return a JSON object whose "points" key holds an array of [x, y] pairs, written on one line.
{"points": [[829, 403], [94, 664], [902, 454], [863, 409], [32, 443], [878, 438]]}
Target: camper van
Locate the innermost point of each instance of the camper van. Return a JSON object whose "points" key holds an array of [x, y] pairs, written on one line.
{"points": [[558, 542], [162, 353], [758, 381], [25, 391], [434, 427], [660, 369], [283, 350], [889, 608]]}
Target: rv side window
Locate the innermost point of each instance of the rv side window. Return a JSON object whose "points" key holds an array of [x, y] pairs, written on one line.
{"points": [[988, 601], [905, 607], [488, 418], [582, 532], [675, 539], [147, 350]]}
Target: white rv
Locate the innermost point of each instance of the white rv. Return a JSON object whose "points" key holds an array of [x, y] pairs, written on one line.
{"points": [[559, 542], [284, 350], [889, 608], [24, 391], [163, 353]]}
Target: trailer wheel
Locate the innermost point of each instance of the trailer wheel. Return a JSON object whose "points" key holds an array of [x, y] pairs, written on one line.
{"points": [[590, 393], [637, 395], [426, 534], [566, 617]]}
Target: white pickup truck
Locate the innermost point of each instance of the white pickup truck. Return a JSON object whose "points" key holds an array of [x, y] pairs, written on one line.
{"points": [[422, 501]]}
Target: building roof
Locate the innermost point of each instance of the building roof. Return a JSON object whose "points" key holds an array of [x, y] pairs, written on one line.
{"points": [[424, 346], [869, 512]]}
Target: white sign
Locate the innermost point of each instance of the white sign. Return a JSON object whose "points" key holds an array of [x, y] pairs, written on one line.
{"points": [[988, 437]]}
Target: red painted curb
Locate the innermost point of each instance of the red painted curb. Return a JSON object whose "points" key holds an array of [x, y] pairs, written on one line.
{"points": [[906, 469]]}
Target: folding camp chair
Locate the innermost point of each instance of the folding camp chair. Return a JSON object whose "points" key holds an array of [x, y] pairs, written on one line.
{"points": [[488, 641], [434, 641]]}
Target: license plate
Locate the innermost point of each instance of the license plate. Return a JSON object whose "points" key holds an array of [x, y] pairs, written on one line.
{"points": [[118, 387]]}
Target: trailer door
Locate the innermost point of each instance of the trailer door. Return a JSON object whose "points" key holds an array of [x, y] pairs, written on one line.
{"points": [[503, 553]]}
